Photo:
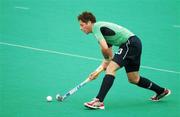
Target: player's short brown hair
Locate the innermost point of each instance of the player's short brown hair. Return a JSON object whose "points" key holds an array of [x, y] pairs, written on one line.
{"points": [[87, 16]]}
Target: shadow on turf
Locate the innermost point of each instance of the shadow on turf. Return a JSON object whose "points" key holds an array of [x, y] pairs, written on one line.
{"points": [[136, 104], [86, 108]]}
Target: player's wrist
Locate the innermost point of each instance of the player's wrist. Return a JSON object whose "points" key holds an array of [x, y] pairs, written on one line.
{"points": [[107, 59]]}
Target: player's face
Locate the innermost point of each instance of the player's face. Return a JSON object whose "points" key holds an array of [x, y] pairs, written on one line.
{"points": [[86, 27]]}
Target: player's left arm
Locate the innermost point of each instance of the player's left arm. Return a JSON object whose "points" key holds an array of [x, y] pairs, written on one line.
{"points": [[107, 53]]}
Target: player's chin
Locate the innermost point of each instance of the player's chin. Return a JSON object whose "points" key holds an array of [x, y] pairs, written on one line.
{"points": [[87, 32]]}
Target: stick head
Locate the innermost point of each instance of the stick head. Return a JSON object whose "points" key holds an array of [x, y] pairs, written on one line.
{"points": [[59, 97]]}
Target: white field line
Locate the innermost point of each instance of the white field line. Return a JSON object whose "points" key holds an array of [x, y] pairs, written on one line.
{"points": [[176, 26], [79, 56], [21, 7]]}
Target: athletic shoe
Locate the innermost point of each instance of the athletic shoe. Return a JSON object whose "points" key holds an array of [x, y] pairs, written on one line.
{"points": [[158, 97], [94, 104]]}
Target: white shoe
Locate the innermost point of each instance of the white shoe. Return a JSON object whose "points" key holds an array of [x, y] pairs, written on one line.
{"points": [[94, 104]]}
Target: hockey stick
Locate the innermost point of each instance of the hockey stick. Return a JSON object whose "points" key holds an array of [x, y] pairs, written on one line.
{"points": [[75, 89]]}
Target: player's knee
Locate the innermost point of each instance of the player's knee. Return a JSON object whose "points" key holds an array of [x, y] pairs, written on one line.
{"points": [[133, 80], [133, 77], [110, 70]]}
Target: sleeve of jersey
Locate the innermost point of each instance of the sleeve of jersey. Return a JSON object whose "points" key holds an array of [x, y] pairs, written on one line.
{"points": [[97, 32]]}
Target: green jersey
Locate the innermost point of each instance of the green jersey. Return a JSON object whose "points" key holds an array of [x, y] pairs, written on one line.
{"points": [[113, 34]]}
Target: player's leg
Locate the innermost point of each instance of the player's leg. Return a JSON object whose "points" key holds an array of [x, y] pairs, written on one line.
{"points": [[135, 78], [108, 80], [97, 103], [140, 81], [132, 67]]}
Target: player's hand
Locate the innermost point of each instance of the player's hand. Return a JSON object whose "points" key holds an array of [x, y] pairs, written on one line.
{"points": [[93, 75]]}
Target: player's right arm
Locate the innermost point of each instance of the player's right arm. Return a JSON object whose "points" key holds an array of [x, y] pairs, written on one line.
{"points": [[106, 51]]}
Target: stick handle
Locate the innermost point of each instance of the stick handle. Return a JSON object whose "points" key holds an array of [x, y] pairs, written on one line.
{"points": [[75, 89]]}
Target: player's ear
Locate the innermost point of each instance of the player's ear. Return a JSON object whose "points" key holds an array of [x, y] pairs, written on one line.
{"points": [[89, 22]]}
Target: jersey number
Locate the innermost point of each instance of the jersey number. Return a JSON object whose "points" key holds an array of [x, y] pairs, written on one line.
{"points": [[119, 51]]}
